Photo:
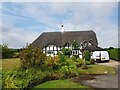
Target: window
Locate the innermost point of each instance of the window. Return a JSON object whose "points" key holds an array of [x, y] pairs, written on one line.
{"points": [[50, 52], [75, 52]]}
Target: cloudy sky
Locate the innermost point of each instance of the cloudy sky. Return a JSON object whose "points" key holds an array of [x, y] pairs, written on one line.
{"points": [[23, 22]]}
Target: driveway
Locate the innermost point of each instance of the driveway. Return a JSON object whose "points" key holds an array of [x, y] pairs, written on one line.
{"points": [[111, 63], [105, 81]]}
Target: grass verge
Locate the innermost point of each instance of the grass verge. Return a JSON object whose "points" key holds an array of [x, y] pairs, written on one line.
{"points": [[60, 84], [98, 69]]}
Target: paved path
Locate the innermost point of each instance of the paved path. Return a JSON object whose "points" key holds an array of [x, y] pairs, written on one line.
{"points": [[105, 81]]}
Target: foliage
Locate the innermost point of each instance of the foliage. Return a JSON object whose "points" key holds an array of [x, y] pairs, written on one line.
{"points": [[114, 54], [16, 54], [66, 51], [92, 61], [31, 57], [63, 58], [75, 45], [86, 55], [53, 62], [73, 58], [28, 78], [69, 68], [79, 62], [7, 52]]}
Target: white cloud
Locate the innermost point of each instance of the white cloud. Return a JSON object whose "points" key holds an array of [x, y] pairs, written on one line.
{"points": [[17, 37], [75, 16]]}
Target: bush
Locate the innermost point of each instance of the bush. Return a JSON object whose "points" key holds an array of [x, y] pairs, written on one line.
{"points": [[28, 78], [79, 62], [7, 52], [32, 57], [86, 55], [16, 55], [63, 58], [66, 51], [114, 54], [53, 62], [92, 61], [69, 68], [73, 58]]}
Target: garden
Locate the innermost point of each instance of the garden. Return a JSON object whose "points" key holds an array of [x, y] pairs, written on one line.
{"points": [[35, 70]]}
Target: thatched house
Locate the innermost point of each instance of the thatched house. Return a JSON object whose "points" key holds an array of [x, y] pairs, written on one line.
{"points": [[52, 42]]}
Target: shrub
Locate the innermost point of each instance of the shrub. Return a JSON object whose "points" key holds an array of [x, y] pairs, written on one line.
{"points": [[28, 78], [92, 61], [69, 68], [114, 53], [73, 58], [53, 62], [7, 52], [31, 57], [79, 62], [54, 75], [16, 55], [66, 51], [86, 55], [63, 58], [87, 62]]}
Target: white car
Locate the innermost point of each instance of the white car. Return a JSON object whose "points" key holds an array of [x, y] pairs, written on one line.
{"points": [[99, 56]]}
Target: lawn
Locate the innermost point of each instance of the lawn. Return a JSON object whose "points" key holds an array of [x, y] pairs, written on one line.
{"points": [[97, 69], [60, 84], [10, 63]]}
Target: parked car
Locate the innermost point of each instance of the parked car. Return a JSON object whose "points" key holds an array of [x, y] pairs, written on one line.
{"points": [[99, 56]]}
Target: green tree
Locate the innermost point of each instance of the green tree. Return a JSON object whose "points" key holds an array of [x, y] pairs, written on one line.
{"points": [[75, 45], [5, 51], [66, 51]]}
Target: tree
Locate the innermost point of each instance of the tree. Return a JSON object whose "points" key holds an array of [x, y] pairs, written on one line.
{"points": [[75, 45], [84, 44], [66, 51], [5, 51]]}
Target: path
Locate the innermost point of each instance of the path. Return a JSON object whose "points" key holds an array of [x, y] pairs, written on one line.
{"points": [[105, 81]]}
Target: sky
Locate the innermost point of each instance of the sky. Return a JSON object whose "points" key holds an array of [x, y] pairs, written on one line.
{"points": [[23, 22]]}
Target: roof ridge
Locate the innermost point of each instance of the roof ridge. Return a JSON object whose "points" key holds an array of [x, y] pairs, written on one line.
{"points": [[69, 31]]}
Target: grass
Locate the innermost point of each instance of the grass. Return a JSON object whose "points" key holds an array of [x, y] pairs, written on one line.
{"points": [[10, 63], [61, 84], [98, 69], [14, 63]]}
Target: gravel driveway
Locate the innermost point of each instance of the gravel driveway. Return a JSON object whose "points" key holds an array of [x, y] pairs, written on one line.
{"points": [[111, 63], [105, 81]]}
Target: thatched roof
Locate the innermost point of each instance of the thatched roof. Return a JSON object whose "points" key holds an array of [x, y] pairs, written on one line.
{"points": [[93, 48], [60, 39]]}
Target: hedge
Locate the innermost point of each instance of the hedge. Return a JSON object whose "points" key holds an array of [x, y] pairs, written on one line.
{"points": [[114, 54]]}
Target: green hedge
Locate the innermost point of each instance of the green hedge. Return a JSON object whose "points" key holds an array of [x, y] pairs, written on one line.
{"points": [[114, 54], [9, 53]]}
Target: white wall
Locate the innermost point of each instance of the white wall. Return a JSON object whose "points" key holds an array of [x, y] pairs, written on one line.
{"points": [[50, 48]]}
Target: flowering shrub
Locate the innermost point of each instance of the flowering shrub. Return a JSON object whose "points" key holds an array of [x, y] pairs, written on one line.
{"points": [[69, 68], [53, 62]]}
